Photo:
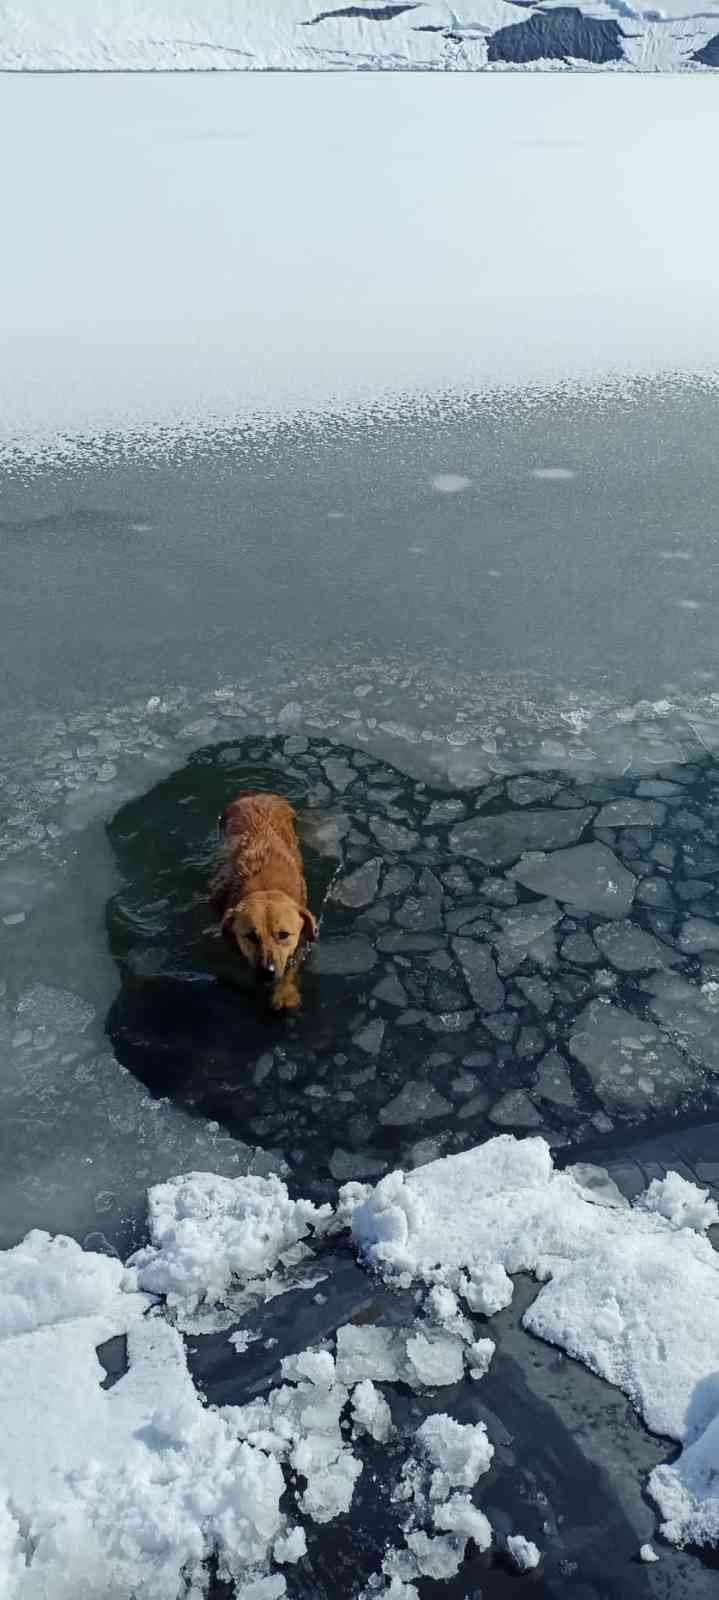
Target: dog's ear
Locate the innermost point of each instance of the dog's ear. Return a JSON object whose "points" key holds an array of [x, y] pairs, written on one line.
{"points": [[226, 924], [309, 926]]}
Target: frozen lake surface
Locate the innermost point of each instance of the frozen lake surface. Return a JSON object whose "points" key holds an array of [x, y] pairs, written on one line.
{"points": [[362, 446]]}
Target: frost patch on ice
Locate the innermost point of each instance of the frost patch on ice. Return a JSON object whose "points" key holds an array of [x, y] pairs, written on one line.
{"points": [[450, 483]]}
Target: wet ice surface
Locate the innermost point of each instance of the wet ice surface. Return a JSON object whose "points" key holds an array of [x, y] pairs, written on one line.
{"points": [[450, 995]]}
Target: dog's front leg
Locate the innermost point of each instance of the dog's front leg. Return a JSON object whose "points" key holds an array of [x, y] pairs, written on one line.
{"points": [[285, 994]]}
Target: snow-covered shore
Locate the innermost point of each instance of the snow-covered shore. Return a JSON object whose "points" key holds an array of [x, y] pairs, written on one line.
{"points": [[412, 35]]}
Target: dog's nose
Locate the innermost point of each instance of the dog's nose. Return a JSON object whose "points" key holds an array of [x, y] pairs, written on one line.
{"points": [[266, 972]]}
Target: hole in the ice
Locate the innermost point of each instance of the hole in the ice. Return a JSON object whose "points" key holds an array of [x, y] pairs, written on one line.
{"points": [[539, 955], [112, 1356]]}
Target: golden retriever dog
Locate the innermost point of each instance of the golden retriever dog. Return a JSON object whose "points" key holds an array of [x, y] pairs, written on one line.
{"points": [[259, 891]]}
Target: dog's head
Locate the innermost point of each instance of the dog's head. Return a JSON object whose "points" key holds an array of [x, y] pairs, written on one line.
{"points": [[267, 928]]}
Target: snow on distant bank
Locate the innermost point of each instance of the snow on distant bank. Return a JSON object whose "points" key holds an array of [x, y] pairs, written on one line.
{"points": [[297, 35], [132, 1486]]}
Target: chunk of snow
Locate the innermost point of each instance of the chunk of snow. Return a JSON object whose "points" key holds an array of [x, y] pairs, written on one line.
{"points": [[486, 1287], [211, 1234], [435, 1362], [438, 1557], [375, 1353], [680, 1202], [479, 1357], [46, 1280], [461, 1451], [316, 1365], [460, 1515], [437, 1217], [523, 1552], [370, 1411], [648, 1553], [300, 1423], [290, 1547], [270, 1588], [687, 1491]]}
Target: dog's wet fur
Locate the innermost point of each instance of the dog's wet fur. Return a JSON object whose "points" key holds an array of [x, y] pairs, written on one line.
{"points": [[259, 891]]}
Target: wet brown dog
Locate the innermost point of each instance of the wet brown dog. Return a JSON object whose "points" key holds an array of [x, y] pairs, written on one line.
{"points": [[259, 891]]}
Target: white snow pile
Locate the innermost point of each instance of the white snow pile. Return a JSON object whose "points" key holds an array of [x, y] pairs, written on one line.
{"points": [[681, 1202], [122, 1490], [441, 1517], [133, 1487], [216, 1241], [524, 1552], [44, 1281], [299, 1424], [633, 1291]]}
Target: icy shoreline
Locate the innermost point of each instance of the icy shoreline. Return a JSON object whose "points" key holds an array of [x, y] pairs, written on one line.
{"points": [[292, 35]]}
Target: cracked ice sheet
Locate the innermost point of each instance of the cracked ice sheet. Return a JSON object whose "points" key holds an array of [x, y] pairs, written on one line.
{"points": [[113, 1491], [628, 1290]]}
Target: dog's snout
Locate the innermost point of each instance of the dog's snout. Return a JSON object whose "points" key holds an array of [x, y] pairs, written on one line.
{"points": [[266, 971]]}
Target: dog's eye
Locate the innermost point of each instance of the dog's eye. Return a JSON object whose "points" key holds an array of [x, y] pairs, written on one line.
{"points": [[283, 935], [252, 936]]}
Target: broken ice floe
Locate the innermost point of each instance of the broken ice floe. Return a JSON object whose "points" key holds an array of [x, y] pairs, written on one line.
{"points": [[631, 1290]]}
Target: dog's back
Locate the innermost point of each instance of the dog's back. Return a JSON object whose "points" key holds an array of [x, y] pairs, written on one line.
{"points": [[259, 850]]}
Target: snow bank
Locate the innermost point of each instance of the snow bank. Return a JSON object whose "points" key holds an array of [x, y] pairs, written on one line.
{"points": [[212, 1236], [44, 1281], [113, 1490], [633, 1292], [207, 35]]}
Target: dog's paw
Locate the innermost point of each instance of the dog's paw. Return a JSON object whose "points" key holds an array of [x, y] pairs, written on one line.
{"points": [[285, 997]]}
